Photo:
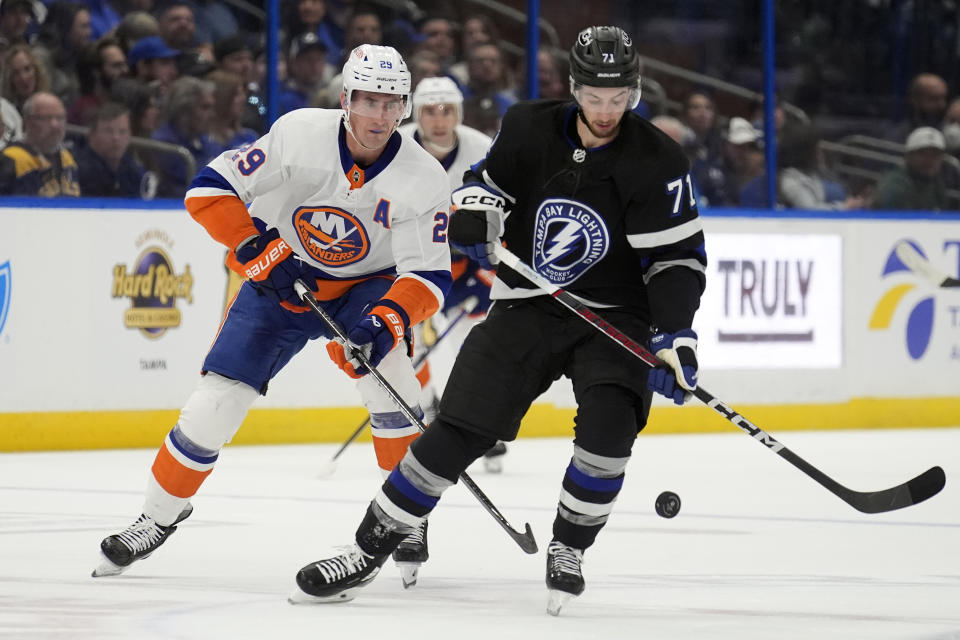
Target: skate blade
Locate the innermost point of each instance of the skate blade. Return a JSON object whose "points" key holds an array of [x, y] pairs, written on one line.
{"points": [[556, 600], [408, 573], [107, 568], [300, 597]]}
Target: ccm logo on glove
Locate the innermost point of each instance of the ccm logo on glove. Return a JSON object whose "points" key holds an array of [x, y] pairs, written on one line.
{"points": [[485, 201], [278, 251]]}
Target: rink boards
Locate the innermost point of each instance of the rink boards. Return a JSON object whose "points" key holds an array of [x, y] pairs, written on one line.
{"points": [[809, 321]]}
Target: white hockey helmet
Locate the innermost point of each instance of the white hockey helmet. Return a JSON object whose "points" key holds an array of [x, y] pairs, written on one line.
{"points": [[379, 70], [439, 90]]}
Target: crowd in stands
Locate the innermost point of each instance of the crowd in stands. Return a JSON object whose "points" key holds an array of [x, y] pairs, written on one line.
{"points": [[160, 87]]}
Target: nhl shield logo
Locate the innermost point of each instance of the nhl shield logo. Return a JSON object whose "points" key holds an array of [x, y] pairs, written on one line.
{"points": [[4, 293], [569, 238]]}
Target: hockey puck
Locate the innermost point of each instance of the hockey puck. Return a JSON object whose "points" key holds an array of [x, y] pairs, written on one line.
{"points": [[668, 504]]}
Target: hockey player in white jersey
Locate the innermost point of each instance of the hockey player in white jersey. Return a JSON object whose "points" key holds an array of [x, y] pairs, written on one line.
{"points": [[340, 200], [438, 127]]}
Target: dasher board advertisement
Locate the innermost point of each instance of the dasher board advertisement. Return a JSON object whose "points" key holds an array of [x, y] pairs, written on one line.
{"points": [[773, 301]]}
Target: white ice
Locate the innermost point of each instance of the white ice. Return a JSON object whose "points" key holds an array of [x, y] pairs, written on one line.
{"points": [[758, 550]]}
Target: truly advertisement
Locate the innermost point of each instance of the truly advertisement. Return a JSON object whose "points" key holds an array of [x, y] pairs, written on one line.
{"points": [[772, 301], [153, 285], [915, 307]]}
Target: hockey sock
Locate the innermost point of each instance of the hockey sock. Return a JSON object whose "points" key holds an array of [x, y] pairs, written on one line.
{"points": [[392, 435], [591, 484]]}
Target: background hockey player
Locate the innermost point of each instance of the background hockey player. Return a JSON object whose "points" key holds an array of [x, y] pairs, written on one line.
{"points": [[438, 127], [599, 201], [340, 200]]}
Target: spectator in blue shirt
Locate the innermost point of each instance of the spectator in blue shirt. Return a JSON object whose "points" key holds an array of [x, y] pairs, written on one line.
{"points": [[188, 113], [307, 73]]}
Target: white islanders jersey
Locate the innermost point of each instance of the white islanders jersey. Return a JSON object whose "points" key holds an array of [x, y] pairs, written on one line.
{"points": [[472, 146]]}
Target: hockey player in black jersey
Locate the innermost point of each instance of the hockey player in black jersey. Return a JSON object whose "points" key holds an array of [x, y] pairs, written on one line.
{"points": [[600, 202]]}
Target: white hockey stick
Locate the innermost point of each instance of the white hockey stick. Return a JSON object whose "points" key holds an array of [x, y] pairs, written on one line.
{"points": [[922, 267]]}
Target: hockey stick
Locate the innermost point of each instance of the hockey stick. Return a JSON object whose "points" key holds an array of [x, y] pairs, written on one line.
{"points": [[909, 255], [525, 540], [331, 464], [914, 491]]}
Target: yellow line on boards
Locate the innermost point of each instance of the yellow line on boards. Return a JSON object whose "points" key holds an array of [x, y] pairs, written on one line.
{"points": [[73, 430]]}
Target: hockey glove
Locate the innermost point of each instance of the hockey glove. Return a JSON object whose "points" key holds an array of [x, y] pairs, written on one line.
{"points": [[677, 377], [476, 222], [272, 267], [375, 335]]}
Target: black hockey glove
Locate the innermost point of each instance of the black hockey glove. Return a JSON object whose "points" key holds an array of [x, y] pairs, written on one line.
{"points": [[476, 222], [678, 376]]}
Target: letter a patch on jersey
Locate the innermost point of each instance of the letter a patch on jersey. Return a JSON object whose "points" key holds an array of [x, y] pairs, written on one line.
{"points": [[331, 236], [568, 239]]}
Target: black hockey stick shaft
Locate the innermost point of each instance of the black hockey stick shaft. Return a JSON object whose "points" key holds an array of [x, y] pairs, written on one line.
{"points": [[924, 486], [921, 266], [524, 540], [416, 363]]}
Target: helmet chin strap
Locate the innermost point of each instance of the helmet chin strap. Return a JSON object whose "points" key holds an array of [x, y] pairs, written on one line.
{"points": [[346, 125], [439, 148]]}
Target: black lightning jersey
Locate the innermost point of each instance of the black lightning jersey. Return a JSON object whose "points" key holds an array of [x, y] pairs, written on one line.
{"points": [[616, 225]]}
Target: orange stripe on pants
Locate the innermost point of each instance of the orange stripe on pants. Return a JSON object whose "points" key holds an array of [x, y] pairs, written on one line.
{"points": [[423, 374], [176, 479], [391, 450]]}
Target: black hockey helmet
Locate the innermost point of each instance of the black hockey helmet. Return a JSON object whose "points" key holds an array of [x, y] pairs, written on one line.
{"points": [[605, 57]]}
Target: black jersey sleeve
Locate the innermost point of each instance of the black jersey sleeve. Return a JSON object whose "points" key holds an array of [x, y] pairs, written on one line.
{"points": [[667, 234], [500, 169]]}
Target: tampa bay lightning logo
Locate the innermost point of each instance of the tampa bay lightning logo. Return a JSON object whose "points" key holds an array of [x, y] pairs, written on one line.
{"points": [[4, 293], [569, 238]]}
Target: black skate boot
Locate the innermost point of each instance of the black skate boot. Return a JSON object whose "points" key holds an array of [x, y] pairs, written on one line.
{"points": [[136, 542], [336, 579], [564, 577], [493, 458], [410, 554]]}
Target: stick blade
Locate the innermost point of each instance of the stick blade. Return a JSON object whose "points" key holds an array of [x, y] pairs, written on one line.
{"points": [[924, 486], [526, 541]]}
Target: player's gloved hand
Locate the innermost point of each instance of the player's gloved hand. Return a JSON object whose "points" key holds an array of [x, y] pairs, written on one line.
{"points": [[471, 291], [272, 267], [678, 376], [375, 335], [476, 222]]}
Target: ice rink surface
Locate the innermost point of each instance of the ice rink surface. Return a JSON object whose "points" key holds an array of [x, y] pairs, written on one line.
{"points": [[758, 550]]}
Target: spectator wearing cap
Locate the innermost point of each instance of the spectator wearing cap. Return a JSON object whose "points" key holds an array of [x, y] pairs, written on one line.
{"points": [[22, 75], [307, 72], [150, 59], [745, 169], [310, 16], [39, 165], [919, 183], [100, 65], [16, 16], [234, 55], [188, 114], [107, 169]]}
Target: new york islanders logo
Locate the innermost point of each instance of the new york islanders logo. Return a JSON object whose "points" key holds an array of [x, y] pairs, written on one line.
{"points": [[4, 293], [331, 236], [920, 320], [569, 238]]}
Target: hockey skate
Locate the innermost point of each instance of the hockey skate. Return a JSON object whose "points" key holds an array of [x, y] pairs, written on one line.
{"points": [[136, 542], [410, 554], [336, 579], [564, 577], [493, 458]]}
